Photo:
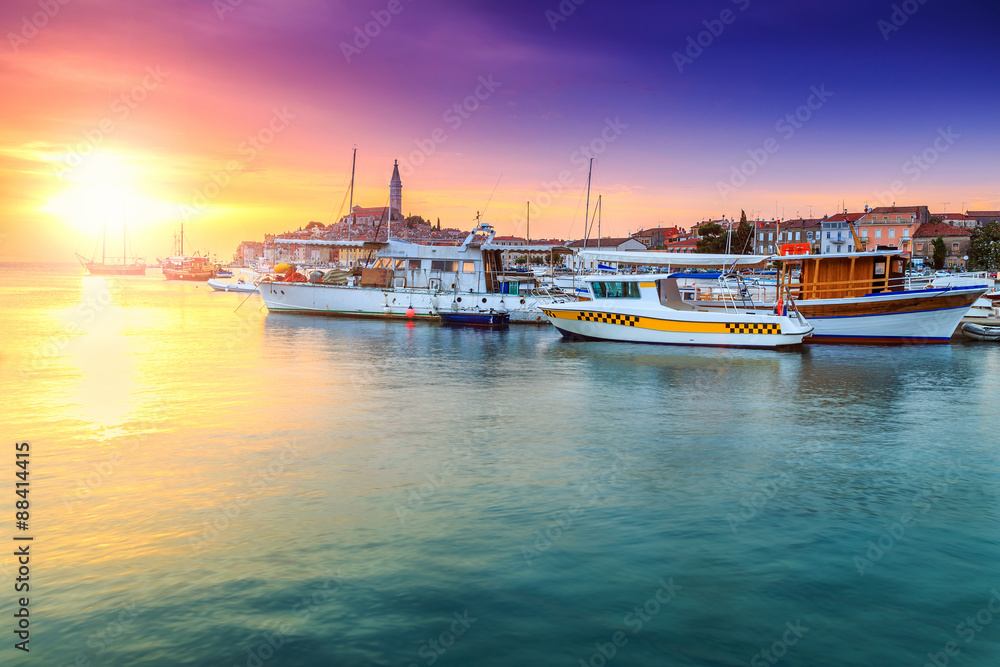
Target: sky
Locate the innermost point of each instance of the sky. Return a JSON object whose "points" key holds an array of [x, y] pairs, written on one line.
{"points": [[239, 118]]}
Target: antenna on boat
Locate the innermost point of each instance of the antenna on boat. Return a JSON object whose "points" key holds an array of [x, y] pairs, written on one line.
{"points": [[490, 199]]}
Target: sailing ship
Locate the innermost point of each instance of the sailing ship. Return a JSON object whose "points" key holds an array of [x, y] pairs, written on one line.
{"points": [[129, 266], [184, 267]]}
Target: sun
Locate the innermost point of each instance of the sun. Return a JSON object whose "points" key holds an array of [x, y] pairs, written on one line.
{"points": [[105, 189]]}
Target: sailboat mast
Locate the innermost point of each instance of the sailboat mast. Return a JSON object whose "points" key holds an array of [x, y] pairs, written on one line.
{"points": [[182, 238], [350, 221], [104, 239], [599, 221], [586, 211]]}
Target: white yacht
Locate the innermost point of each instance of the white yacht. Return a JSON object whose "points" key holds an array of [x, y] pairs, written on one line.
{"points": [[410, 280]]}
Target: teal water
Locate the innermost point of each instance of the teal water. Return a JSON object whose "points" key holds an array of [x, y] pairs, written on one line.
{"points": [[220, 488]]}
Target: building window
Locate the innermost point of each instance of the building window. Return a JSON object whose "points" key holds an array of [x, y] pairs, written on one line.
{"points": [[828, 249], [828, 236], [920, 247], [797, 235], [892, 232], [762, 236], [878, 233], [850, 248], [809, 235], [954, 247], [770, 236]]}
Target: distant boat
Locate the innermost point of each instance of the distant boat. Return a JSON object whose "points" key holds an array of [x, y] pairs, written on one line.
{"points": [[129, 266], [245, 283], [184, 267]]}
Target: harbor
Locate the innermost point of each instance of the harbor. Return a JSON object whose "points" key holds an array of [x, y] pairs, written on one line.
{"points": [[423, 334]]}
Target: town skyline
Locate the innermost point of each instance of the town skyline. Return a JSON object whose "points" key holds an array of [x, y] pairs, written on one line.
{"points": [[240, 118]]}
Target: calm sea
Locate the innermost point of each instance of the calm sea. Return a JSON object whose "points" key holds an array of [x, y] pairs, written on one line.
{"points": [[219, 486]]}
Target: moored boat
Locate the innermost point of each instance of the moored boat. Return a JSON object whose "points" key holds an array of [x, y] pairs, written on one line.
{"points": [[649, 309], [475, 318], [129, 266], [980, 332], [424, 279]]}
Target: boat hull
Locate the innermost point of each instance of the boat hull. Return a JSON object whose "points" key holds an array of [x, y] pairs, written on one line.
{"points": [[223, 286], [390, 303], [915, 317], [591, 322], [472, 319], [116, 270], [180, 274], [980, 332]]}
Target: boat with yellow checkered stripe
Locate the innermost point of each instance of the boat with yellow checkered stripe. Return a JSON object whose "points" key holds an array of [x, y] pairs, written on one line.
{"points": [[649, 309]]}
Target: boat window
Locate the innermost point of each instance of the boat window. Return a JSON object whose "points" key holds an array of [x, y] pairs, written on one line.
{"points": [[444, 265], [414, 264], [400, 264], [383, 263], [615, 290], [468, 267]]}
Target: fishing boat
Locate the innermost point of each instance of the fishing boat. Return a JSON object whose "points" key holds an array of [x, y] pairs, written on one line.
{"points": [[860, 297], [129, 266], [185, 267], [649, 309], [427, 279]]}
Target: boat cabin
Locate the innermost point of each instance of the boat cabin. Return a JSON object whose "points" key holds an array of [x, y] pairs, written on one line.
{"points": [[841, 276]]}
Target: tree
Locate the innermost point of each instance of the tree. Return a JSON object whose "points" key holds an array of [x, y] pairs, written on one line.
{"points": [[742, 243], [713, 238], [940, 253], [935, 218], [985, 251]]}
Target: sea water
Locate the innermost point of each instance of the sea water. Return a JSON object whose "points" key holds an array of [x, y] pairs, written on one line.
{"points": [[214, 485]]}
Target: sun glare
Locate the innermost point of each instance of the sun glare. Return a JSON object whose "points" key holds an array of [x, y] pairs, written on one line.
{"points": [[104, 189]]}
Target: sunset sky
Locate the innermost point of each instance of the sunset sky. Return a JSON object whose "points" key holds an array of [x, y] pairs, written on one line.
{"points": [[239, 116]]}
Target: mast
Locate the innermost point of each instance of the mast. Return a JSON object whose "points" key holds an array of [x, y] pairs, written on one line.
{"points": [[182, 238], [104, 239], [350, 221], [529, 221], [586, 211], [527, 256], [599, 221]]}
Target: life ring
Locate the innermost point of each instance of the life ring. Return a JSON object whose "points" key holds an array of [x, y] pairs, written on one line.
{"points": [[779, 307]]}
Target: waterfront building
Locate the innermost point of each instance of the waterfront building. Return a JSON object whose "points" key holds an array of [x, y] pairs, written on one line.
{"points": [[957, 220], [957, 242], [984, 218], [771, 235]]}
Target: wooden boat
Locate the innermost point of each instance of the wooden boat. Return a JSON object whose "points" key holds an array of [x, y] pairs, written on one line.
{"points": [[471, 318], [649, 309], [187, 268], [980, 332], [129, 266]]}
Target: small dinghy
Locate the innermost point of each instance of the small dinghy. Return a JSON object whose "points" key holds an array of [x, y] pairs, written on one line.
{"points": [[980, 332], [468, 318]]}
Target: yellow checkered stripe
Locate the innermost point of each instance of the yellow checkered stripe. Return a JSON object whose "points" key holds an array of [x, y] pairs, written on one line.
{"points": [[667, 325], [608, 318], [752, 328]]}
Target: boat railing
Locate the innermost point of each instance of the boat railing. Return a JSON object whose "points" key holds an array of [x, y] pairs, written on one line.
{"points": [[842, 289]]}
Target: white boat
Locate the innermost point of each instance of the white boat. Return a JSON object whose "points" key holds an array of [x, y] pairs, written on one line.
{"points": [[649, 309], [410, 280], [245, 282], [850, 297]]}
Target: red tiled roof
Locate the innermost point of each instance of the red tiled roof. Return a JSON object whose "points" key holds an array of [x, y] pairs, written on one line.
{"points": [[983, 214], [935, 229], [882, 210], [845, 217], [952, 216]]}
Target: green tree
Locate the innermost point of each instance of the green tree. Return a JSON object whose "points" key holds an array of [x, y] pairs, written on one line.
{"points": [[935, 218], [713, 238], [985, 251], [940, 253], [743, 237]]}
